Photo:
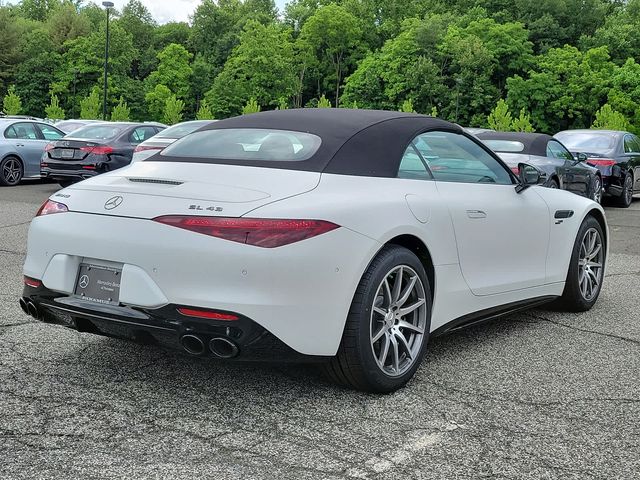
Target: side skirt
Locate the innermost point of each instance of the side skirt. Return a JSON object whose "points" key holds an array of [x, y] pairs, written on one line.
{"points": [[489, 314]]}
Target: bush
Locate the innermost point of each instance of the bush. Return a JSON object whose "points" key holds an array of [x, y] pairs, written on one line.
{"points": [[54, 111], [251, 107], [12, 103], [120, 112], [173, 110]]}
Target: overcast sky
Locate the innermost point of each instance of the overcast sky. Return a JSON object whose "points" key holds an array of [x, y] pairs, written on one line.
{"points": [[172, 10]]}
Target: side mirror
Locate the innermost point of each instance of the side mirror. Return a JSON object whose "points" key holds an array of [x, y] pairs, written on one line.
{"points": [[529, 176], [581, 157]]}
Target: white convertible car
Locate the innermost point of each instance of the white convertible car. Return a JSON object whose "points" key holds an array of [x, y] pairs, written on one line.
{"points": [[345, 236]]}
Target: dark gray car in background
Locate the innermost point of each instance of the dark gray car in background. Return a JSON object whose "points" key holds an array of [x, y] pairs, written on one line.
{"points": [[94, 149]]}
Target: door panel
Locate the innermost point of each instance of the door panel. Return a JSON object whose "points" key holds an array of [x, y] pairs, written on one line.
{"points": [[502, 236], [29, 146]]}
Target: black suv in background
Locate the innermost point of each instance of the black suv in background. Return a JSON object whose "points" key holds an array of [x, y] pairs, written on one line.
{"points": [[94, 149]]}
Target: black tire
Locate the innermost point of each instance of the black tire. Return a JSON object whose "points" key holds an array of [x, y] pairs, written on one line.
{"points": [[553, 184], [626, 198], [11, 171], [572, 298], [355, 365], [65, 183]]}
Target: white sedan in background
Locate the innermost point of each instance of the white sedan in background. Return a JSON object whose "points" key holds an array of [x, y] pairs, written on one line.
{"points": [[163, 139], [346, 237]]}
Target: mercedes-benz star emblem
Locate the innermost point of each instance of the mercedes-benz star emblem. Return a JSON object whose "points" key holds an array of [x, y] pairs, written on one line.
{"points": [[113, 202], [84, 281]]}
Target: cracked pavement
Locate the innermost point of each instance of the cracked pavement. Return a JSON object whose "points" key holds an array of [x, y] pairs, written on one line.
{"points": [[537, 395]]}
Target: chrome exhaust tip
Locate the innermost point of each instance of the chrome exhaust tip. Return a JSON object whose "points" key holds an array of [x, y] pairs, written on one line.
{"points": [[32, 309], [223, 347], [192, 344], [24, 306]]}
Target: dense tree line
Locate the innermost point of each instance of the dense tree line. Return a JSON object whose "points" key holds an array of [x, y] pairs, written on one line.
{"points": [[553, 63]]}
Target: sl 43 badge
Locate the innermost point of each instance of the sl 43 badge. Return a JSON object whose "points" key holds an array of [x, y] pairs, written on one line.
{"points": [[209, 208]]}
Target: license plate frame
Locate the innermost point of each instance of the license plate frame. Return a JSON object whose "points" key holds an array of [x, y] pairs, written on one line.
{"points": [[98, 283], [67, 153]]}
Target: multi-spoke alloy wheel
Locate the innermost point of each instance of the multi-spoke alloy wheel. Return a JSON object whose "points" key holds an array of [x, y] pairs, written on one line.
{"points": [[586, 270], [10, 171], [590, 264], [398, 319], [387, 329]]}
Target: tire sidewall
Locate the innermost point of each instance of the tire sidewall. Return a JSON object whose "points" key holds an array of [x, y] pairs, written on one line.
{"points": [[392, 257]]}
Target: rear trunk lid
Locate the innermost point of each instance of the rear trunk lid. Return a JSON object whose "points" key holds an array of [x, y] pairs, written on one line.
{"points": [[72, 150], [151, 189]]}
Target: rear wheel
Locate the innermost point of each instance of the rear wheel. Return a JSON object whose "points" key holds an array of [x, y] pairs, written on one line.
{"points": [[554, 183], [11, 171], [387, 328], [586, 270], [625, 199]]}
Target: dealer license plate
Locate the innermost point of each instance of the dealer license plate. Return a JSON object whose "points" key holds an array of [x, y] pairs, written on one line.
{"points": [[98, 284]]}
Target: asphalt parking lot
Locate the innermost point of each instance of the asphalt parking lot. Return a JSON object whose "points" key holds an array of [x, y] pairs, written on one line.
{"points": [[538, 395]]}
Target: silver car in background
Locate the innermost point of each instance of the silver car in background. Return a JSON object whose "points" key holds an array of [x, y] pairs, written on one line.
{"points": [[22, 143], [163, 139]]}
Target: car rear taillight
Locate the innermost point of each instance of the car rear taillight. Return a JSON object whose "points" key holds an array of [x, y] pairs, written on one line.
{"points": [[98, 149], [208, 314], [49, 147], [50, 207], [259, 232], [143, 148], [602, 162], [32, 282]]}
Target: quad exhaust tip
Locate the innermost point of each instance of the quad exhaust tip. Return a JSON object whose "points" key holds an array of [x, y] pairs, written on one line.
{"points": [[223, 347], [23, 306], [192, 344]]}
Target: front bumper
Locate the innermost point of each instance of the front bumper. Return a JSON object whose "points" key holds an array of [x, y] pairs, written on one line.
{"points": [[163, 326]]}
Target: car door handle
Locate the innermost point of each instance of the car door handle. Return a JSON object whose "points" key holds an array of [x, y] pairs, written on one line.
{"points": [[19, 144], [476, 214]]}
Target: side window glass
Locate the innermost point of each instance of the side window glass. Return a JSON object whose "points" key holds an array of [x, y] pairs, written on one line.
{"points": [[556, 150], [10, 133], [25, 131], [141, 134], [452, 157], [50, 133], [636, 144], [629, 144], [412, 166]]}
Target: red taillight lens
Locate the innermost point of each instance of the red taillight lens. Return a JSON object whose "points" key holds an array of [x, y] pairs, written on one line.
{"points": [[89, 167], [208, 314], [142, 148], [603, 162], [49, 207], [32, 282], [259, 232], [49, 147], [98, 150]]}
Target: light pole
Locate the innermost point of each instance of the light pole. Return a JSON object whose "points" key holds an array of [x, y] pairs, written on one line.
{"points": [[108, 6]]}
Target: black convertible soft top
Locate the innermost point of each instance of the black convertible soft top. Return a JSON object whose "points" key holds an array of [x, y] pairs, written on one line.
{"points": [[534, 143], [354, 142]]}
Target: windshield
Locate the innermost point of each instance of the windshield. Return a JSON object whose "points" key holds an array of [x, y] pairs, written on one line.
{"points": [[182, 129], [246, 144], [594, 142], [507, 146], [98, 132]]}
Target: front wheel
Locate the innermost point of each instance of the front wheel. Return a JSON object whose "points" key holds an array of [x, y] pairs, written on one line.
{"points": [[387, 328], [596, 195], [586, 270]]}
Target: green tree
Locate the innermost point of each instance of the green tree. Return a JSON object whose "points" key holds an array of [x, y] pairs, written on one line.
{"points": [[204, 112], [323, 102], [90, 106], [251, 107], [407, 106], [609, 119], [522, 123], [157, 101], [283, 104], [434, 112], [174, 70], [54, 111], [121, 112], [500, 117], [11, 102], [173, 110], [260, 67], [336, 36]]}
